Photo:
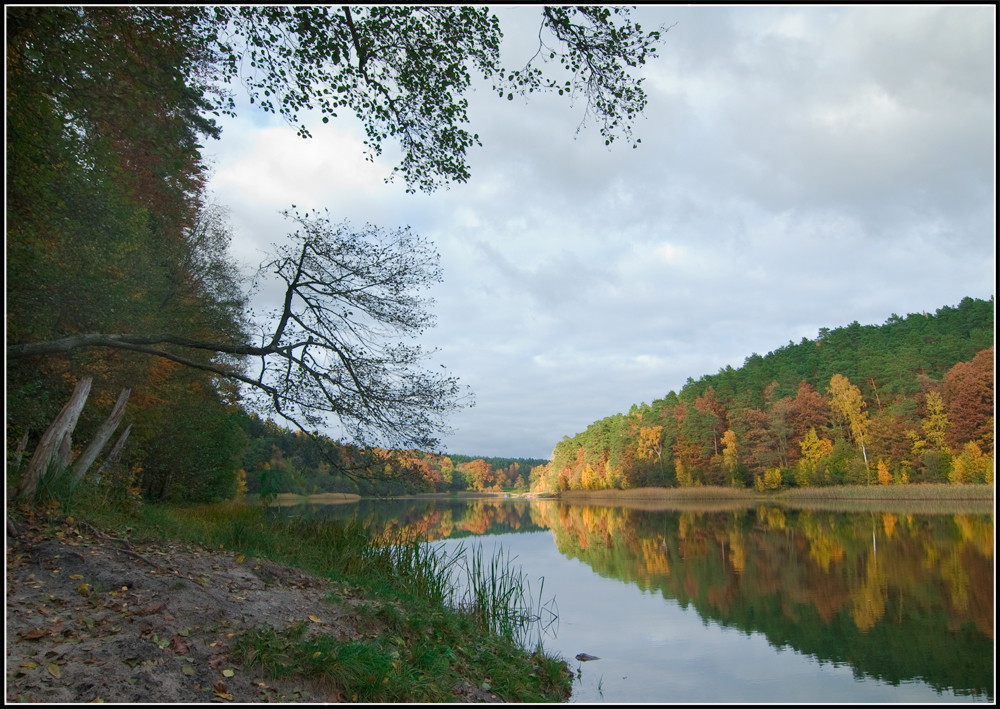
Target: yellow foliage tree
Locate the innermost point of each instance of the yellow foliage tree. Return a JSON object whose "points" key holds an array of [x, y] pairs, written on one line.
{"points": [[971, 466], [935, 425], [729, 455], [884, 476], [847, 402], [771, 481], [814, 449], [650, 442], [684, 478]]}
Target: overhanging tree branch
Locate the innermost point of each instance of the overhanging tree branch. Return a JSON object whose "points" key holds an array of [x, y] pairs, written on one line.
{"points": [[349, 296]]}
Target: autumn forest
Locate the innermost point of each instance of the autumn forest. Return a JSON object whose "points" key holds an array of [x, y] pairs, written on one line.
{"points": [[905, 402], [117, 269]]}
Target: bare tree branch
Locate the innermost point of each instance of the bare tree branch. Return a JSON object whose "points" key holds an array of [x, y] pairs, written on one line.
{"points": [[351, 297]]}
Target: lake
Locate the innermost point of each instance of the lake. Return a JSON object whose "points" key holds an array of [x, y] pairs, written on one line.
{"points": [[751, 604]]}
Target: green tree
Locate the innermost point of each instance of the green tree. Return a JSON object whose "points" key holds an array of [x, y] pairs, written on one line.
{"points": [[404, 71]]}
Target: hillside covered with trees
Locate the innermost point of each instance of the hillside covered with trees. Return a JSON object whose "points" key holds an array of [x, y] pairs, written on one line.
{"points": [[907, 401], [278, 460]]}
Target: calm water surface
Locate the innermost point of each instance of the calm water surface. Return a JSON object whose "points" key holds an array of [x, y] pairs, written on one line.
{"points": [[754, 605]]}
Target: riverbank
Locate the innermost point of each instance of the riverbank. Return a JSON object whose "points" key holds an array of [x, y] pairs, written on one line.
{"points": [[918, 498], [136, 612], [922, 498]]}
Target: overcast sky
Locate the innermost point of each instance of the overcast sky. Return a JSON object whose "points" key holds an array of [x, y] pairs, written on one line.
{"points": [[800, 167]]}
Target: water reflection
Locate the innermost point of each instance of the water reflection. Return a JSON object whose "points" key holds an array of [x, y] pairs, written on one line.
{"points": [[896, 597]]}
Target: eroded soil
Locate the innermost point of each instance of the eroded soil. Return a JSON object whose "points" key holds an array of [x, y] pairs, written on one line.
{"points": [[91, 618]]}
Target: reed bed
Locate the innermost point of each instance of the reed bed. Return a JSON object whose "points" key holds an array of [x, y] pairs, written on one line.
{"points": [[918, 498], [921, 491], [287, 499]]}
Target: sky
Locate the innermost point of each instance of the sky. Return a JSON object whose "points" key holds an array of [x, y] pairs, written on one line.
{"points": [[800, 168]]}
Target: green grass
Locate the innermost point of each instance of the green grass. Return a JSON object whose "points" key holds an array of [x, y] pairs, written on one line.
{"points": [[420, 636]]}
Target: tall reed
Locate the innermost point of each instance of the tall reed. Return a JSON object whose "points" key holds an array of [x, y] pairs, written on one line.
{"points": [[497, 594]]}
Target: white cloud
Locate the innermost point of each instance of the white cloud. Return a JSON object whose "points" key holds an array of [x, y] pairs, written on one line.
{"points": [[281, 168], [668, 252]]}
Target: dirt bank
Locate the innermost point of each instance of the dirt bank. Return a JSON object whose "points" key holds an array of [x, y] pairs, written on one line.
{"points": [[91, 618]]}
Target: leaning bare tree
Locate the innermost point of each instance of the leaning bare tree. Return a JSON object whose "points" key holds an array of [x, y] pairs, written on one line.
{"points": [[335, 346]]}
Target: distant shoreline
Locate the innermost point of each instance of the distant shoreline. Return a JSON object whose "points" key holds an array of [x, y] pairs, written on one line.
{"points": [[922, 497], [937, 497], [918, 491]]}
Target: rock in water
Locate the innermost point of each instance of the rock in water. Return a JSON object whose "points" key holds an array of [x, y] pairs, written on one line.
{"points": [[584, 657]]}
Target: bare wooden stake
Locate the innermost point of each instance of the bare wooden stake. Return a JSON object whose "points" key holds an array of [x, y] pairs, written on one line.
{"points": [[115, 453], [19, 451], [60, 429], [104, 433]]}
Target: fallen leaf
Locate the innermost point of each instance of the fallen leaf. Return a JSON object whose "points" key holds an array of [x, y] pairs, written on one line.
{"points": [[228, 673], [188, 670], [178, 645], [315, 619], [54, 670], [76, 577], [35, 634]]}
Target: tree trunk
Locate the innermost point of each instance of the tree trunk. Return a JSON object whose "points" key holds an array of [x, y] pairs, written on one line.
{"points": [[53, 438], [19, 451], [64, 453], [104, 433], [115, 453]]}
